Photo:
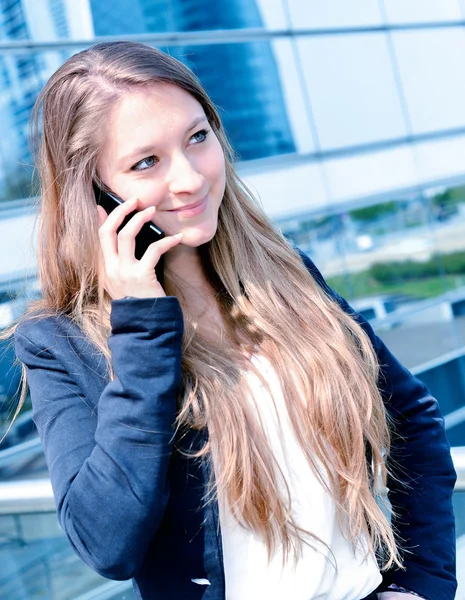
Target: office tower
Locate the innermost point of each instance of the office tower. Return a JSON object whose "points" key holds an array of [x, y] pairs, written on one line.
{"points": [[23, 75], [242, 79], [22, 79]]}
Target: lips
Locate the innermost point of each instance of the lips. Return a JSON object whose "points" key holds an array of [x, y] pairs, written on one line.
{"points": [[189, 206]]}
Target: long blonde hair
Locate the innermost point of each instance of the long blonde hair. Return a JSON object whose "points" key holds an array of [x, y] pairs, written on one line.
{"points": [[324, 361]]}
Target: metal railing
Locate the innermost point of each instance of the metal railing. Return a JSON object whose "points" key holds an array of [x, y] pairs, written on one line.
{"points": [[222, 36], [458, 455], [36, 495]]}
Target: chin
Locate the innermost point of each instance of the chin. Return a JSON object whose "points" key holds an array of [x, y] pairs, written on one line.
{"points": [[195, 237]]}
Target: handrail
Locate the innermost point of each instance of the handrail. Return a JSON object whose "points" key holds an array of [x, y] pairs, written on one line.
{"points": [[458, 456], [36, 495], [27, 449], [107, 591], [26, 496]]}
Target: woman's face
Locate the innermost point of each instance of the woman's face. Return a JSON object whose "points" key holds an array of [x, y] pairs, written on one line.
{"points": [[160, 148]]}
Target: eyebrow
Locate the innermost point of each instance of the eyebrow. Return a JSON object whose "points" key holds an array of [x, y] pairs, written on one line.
{"points": [[145, 149]]}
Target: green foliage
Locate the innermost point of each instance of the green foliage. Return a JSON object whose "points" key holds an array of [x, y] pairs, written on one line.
{"points": [[371, 213], [393, 272], [451, 196], [418, 279], [358, 285]]}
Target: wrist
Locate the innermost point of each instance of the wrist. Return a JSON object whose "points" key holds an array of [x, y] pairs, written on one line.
{"points": [[395, 592]]}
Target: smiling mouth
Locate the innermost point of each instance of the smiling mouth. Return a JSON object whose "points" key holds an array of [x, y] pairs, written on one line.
{"points": [[189, 206]]}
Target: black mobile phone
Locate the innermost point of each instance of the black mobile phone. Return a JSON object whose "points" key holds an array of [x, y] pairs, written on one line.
{"points": [[148, 234]]}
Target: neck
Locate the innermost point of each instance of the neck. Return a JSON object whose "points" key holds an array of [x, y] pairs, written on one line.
{"points": [[185, 263]]}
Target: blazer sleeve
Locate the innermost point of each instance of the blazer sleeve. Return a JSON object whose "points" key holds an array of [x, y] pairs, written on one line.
{"points": [[108, 463], [422, 475]]}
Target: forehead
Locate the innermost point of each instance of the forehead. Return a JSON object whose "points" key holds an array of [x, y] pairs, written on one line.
{"points": [[150, 113]]}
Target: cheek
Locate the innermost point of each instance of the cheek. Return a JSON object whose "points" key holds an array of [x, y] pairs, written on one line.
{"points": [[215, 166], [143, 189]]}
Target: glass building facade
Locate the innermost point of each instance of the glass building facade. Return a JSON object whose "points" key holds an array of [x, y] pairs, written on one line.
{"points": [[348, 119], [20, 84], [241, 79]]}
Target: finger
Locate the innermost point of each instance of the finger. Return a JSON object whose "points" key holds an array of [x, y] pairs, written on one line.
{"points": [[117, 215], [127, 236], [107, 231], [156, 249]]}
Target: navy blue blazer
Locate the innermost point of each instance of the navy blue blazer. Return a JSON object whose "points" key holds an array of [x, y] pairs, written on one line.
{"points": [[130, 502]]}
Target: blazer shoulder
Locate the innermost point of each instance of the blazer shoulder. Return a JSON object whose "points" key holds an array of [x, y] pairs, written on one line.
{"points": [[41, 328], [49, 339]]}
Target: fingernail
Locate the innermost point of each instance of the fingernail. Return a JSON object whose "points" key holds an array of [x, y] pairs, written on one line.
{"points": [[178, 235]]}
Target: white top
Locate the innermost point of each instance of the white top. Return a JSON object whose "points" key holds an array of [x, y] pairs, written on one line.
{"points": [[248, 574]]}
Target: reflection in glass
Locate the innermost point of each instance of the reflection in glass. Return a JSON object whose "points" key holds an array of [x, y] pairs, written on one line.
{"points": [[401, 264], [243, 80], [334, 13], [394, 261], [240, 78], [433, 79], [421, 11], [368, 174], [440, 159], [36, 560], [352, 89], [250, 98]]}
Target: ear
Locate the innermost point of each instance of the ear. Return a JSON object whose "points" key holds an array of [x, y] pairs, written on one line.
{"points": [[102, 215]]}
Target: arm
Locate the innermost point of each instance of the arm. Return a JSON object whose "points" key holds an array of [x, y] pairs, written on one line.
{"points": [[402, 594], [420, 457], [108, 462], [394, 592]]}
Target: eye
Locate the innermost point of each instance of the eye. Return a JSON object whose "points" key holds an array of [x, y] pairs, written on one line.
{"points": [[200, 136], [144, 164]]}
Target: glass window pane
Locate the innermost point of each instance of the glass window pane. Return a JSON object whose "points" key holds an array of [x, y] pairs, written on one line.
{"points": [[121, 17], [440, 158], [250, 96], [287, 191], [378, 239], [321, 237], [388, 259], [16, 232], [417, 11], [433, 78], [38, 561], [448, 225], [352, 89], [79, 20], [21, 78], [371, 174], [40, 22], [334, 13], [294, 94], [58, 20], [273, 14]]}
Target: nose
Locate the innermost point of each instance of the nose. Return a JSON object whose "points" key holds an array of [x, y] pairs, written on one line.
{"points": [[184, 176]]}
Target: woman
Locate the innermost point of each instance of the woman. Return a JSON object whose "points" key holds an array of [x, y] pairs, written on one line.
{"points": [[227, 434]]}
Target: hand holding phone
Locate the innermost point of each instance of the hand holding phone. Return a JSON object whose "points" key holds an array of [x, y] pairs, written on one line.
{"points": [[134, 259]]}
